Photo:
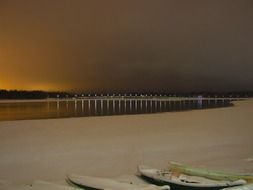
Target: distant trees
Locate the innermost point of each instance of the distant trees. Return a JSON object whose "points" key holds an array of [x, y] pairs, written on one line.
{"points": [[23, 94]]}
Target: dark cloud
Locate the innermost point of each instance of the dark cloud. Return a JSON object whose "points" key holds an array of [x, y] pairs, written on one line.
{"points": [[127, 45]]}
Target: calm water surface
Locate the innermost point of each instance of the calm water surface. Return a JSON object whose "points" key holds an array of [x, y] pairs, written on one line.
{"points": [[84, 108]]}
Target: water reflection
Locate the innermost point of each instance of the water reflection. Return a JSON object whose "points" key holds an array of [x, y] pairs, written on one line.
{"points": [[80, 108]]}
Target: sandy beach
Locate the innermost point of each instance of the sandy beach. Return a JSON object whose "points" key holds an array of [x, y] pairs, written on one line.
{"points": [[113, 146]]}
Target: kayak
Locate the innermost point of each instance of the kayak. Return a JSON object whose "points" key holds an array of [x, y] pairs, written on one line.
{"points": [[215, 175], [97, 183], [182, 181]]}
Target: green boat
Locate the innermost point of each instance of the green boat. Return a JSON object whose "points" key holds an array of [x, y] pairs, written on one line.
{"points": [[210, 174]]}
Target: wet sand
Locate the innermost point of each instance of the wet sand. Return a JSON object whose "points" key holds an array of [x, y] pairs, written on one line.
{"points": [[113, 146]]}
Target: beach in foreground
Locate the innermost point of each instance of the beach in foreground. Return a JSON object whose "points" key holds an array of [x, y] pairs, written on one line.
{"points": [[113, 146]]}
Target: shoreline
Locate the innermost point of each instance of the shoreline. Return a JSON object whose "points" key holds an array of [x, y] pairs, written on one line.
{"points": [[48, 149]]}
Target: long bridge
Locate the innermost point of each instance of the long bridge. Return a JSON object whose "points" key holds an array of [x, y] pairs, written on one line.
{"points": [[124, 104], [129, 98]]}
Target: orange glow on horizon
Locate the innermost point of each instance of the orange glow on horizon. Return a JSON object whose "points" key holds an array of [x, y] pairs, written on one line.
{"points": [[30, 87]]}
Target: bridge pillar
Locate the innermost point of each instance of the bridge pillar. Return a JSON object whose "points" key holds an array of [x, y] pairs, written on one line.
{"points": [[102, 106]]}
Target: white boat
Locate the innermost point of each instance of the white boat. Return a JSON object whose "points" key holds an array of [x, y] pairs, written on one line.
{"points": [[182, 181], [97, 183]]}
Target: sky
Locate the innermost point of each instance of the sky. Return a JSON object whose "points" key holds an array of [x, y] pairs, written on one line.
{"points": [[126, 45]]}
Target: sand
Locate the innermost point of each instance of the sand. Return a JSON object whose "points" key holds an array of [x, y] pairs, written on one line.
{"points": [[113, 146]]}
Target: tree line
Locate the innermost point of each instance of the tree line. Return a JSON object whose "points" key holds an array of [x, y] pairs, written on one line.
{"points": [[36, 94], [23, 94]]}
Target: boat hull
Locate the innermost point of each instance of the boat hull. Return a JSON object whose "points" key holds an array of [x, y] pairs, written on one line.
{"points": [[174, 186], [160, 177], [215, 175]]}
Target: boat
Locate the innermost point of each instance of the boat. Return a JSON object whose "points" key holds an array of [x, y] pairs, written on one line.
{"points": [[210, 174], [180, 181], [97, 183]]}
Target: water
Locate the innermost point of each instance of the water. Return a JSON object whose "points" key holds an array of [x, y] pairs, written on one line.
{"points": [[85, 108]]}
